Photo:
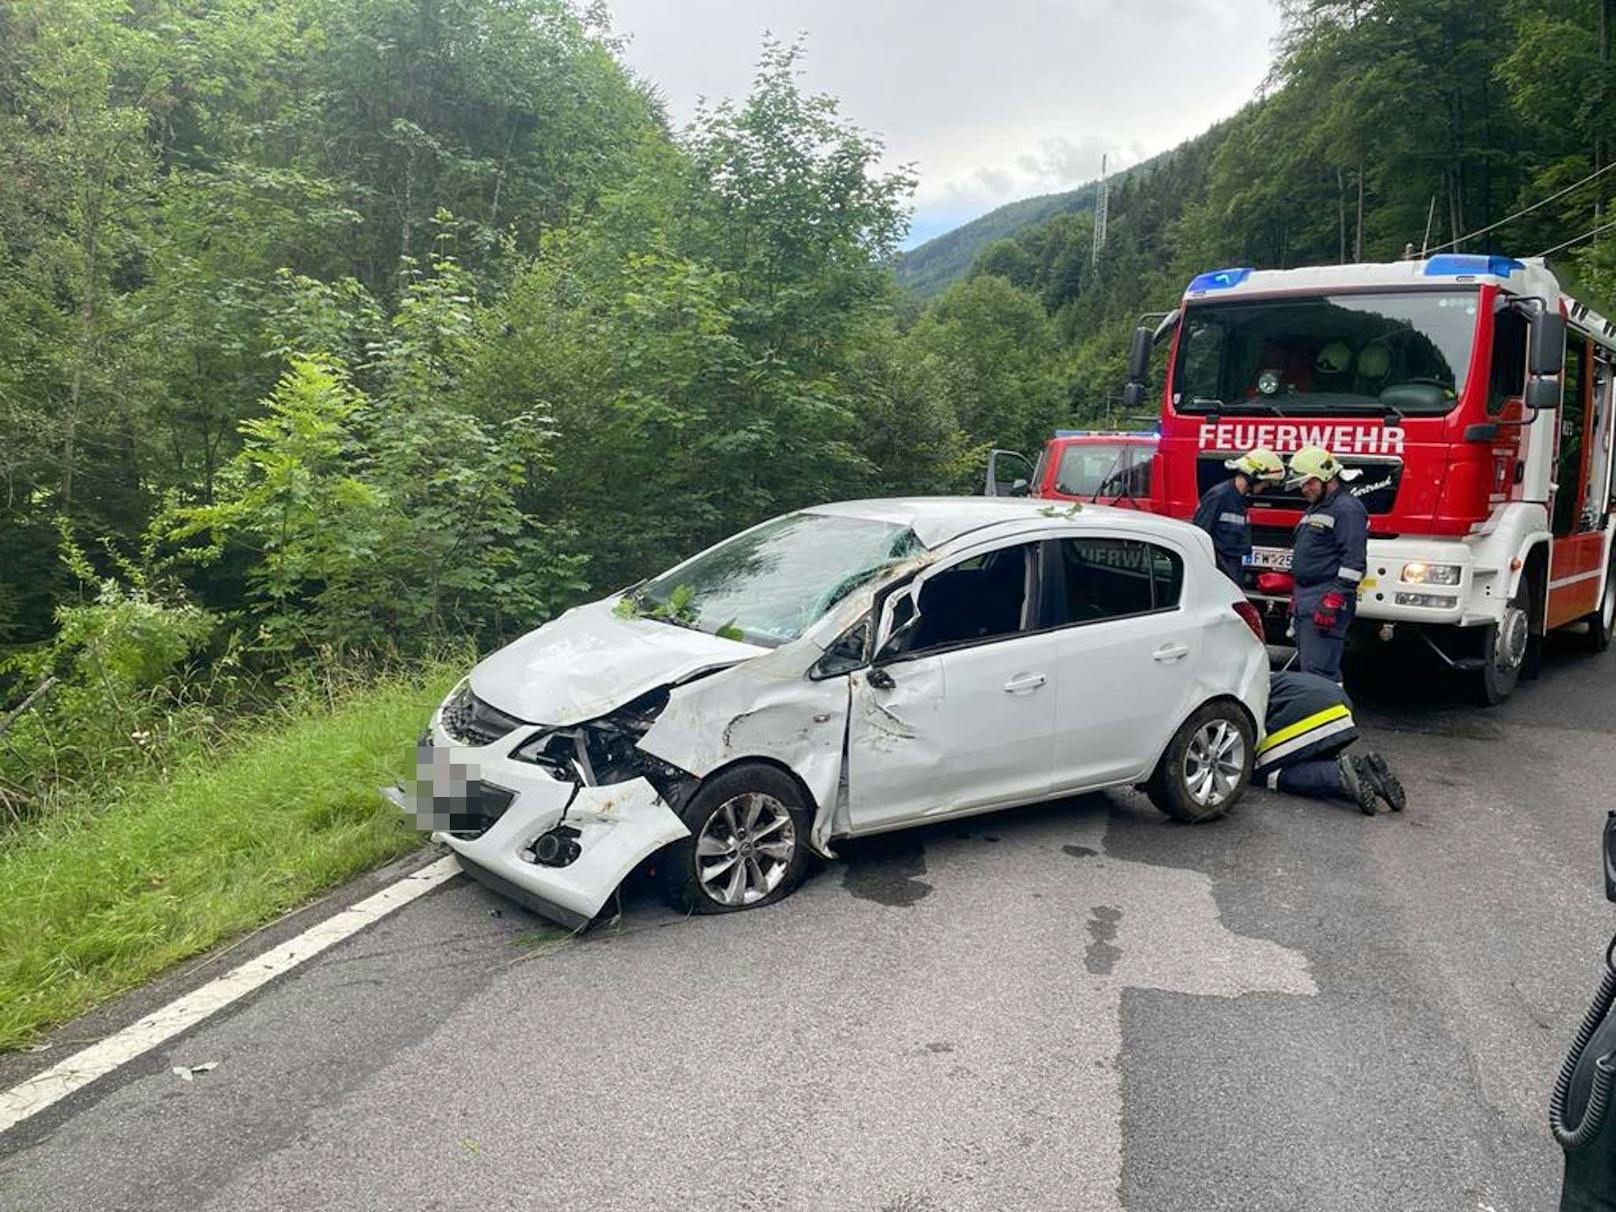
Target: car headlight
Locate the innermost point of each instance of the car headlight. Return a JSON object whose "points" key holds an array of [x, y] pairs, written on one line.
{"points": [[1418, 572]]}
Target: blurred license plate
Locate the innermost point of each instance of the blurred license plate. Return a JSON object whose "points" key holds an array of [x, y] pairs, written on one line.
{"points": [[1270, 557]]}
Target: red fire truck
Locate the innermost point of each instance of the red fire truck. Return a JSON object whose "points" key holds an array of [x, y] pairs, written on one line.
{"points": [[1079, 465], [1473, 394]]}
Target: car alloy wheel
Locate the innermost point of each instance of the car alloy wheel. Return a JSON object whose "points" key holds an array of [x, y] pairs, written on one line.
{"points": [[745, 849], [1214, 762]]}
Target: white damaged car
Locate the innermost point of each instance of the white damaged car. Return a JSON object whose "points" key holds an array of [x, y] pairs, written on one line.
{"points": [[840, 671]]}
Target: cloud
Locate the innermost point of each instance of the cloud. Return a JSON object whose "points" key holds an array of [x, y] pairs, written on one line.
{"points": [[1059, 162], [994, 180], [990, 102]]}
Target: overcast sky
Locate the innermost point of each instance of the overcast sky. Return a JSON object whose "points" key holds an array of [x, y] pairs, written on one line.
{"points": [[992, 100]]}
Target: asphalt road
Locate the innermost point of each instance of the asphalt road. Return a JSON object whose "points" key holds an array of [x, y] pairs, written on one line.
{"points": [[1077, 1005]]}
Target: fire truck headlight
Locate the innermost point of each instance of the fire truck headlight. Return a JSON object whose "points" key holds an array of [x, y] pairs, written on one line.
{"points": [[1420, 573]]}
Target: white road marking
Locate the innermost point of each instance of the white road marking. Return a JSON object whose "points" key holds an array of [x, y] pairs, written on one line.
{"points": [[79, 1070]]}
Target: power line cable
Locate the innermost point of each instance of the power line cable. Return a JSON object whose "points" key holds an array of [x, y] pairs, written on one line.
{"points": [[1587, 235], [1598, 172]]}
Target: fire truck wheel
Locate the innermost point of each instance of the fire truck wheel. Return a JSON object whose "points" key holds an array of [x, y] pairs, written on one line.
{"points": [[1206, 766], [1504, 650], [1602, 622]]}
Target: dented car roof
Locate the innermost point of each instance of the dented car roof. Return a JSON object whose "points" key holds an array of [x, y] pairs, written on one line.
{"points": [[940, 520]]}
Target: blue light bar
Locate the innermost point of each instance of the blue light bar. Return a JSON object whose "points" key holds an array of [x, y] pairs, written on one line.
{"points": [[1219, 279], [1448, 264]]}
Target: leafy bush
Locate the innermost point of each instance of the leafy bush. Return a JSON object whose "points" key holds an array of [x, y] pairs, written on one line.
{"points": [[385, 519], [112, 686]]}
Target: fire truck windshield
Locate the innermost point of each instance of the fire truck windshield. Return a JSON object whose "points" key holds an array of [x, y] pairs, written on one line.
{"points": [[1404, 352]]}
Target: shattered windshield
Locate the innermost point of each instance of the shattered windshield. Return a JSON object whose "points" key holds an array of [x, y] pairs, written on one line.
{"points": [[1405, 352], [772, 583]]}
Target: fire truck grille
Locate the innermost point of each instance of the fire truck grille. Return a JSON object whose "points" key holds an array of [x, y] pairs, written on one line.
{"points": [[1376, 488]]}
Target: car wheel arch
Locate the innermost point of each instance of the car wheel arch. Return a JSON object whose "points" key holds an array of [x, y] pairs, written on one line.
{"points": [[1201, 705], [810, 802]]}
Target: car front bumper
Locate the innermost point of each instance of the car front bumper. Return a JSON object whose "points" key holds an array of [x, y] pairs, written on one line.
{"points": [[618, 825]]}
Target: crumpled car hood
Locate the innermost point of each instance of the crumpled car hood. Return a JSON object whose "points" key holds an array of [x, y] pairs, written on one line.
{"points": [[589, 662]]}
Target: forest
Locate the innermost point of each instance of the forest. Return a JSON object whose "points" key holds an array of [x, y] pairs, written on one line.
{"points": [[336, 335]]}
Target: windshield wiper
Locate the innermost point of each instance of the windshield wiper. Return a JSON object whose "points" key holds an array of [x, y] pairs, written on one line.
{"points": [[1251, 405]]}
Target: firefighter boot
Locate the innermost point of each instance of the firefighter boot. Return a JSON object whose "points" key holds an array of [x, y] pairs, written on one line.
{"points": [[1386, 784], [1356, 784]]}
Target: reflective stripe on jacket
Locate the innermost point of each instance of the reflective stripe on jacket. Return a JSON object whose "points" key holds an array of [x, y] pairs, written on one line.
{"points": [[1309, 717]]}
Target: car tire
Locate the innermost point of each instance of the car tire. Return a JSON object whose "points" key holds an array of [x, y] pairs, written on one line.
{"points": [[1602, 622], [1206, 765], [756, 817]]}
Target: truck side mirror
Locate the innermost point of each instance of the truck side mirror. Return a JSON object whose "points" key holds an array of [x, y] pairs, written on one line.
{"points": [[1547, 353], [1541, 395], [1133, 395], [1139, 355]]}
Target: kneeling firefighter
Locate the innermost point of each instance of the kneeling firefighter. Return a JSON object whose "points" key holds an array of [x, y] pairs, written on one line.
{"points": [[1308, 728], [1222, 511], [1580, 1112]]}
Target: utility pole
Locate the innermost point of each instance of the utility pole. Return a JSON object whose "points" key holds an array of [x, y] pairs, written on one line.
{"points": [[1101, 207]]}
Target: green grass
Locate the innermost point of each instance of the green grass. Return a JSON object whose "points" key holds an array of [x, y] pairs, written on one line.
{"points": [[95, 901]]}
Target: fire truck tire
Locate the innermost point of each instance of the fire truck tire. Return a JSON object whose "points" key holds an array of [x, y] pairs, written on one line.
{"points": [[1505, 650], [1602, 622], [1206, 766]]}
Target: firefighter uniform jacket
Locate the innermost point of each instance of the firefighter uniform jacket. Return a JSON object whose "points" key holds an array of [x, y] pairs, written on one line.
{"points": [[1309, 718], [1222, 514], [1331, 554]]}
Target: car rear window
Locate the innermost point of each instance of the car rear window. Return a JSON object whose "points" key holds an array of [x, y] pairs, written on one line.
{"points": [[1114, 578]]}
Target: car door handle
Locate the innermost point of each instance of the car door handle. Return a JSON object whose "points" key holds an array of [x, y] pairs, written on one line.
{"points": [[1023, 682], [1168, 653]]}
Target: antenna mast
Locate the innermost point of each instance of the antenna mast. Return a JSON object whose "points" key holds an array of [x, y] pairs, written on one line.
{"points": [[1101, 207]]}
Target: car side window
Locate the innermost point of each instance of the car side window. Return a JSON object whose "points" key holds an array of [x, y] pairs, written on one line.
{"points": [[982, 598], [1113, 578]]}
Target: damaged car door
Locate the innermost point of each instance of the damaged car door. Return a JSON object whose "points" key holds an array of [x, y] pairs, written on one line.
{"points": [[957, 711]]}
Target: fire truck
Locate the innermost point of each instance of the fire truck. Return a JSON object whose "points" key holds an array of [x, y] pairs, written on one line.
{"points": [[1471, 392], [1101, 466]]}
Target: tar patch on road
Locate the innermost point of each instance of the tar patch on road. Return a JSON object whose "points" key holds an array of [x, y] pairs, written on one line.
{"points": [[1103, 954], [1079, 851], [887, 871]]}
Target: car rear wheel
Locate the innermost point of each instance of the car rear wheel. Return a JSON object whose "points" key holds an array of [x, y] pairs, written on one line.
{"points": [[748, 843], [1206, 766]]}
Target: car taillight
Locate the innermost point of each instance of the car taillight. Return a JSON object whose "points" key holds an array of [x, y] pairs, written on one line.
{"points": [[1253, 620]]}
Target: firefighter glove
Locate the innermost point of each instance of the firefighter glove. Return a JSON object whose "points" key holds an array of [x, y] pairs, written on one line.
{"points": [[1329, 607]]}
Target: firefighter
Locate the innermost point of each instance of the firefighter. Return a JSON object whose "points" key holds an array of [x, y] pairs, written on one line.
{"points": [[1308, 729], [1222, 511], [1328, 561]]}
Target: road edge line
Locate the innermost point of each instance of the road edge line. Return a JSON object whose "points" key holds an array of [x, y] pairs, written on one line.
{"points": [[35, 1094]]}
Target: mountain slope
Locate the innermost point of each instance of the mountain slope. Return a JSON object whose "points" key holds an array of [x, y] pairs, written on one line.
{"points": [[931, 267]]}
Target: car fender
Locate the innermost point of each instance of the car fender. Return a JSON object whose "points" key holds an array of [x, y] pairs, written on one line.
{"points": [[769, 709], [1240, 672]]}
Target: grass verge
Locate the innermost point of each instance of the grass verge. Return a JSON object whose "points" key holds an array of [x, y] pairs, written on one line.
{"points": [[93, 902]]}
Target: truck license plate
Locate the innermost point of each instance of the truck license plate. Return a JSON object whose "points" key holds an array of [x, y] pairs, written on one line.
{"points": [[1270, 557]]}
